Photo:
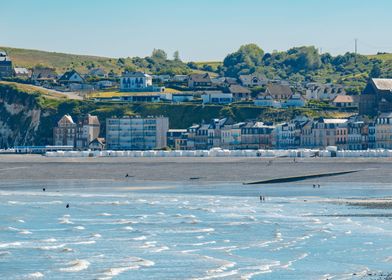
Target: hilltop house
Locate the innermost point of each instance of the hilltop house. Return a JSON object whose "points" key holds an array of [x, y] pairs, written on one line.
{"points": [[98, 72], [254, 79], [71, 76], [279, 92], [240, 92], [5, 65], [137, 81], [323, 92], [41, 75], [345, 101], [217, 97], [376, 97], [22, 72], [199, 80]]}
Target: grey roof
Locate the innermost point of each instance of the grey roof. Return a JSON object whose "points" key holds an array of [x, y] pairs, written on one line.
{"points": [[383, 84], [238, 89], [200, 78], [275, 89], [67, 75]]}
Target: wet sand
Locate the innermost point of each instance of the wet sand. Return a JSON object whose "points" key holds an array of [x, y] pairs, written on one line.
{"points": [[36, 167]]}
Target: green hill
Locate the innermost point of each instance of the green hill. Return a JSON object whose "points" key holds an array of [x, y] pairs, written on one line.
{"points": [[60, 61]]}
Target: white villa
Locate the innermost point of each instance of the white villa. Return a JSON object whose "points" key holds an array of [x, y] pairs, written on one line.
{"points": [[135, 81]]}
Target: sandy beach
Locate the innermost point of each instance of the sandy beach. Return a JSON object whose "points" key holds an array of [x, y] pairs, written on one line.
{"points": [[36, 167]]}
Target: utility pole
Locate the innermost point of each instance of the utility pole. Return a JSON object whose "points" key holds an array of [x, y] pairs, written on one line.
{"points": [[356, 45]]}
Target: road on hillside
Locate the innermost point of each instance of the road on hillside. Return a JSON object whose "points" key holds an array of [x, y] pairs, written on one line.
{"points": [[70, 95]]}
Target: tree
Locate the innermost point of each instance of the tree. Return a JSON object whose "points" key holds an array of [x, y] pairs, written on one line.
{"points": [[176, 56], [159, 54], [375, 72], [303, 58], [243, 61]]}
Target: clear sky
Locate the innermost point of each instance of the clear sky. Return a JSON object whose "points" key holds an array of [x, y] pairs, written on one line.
{"points": [[200, 29]]}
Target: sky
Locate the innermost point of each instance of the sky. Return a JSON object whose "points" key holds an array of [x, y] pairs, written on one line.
{"points": [[201, 30]]}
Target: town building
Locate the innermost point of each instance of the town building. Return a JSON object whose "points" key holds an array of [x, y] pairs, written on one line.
{"points": [[65, 132], [87, 130], [384, 131], [323, 132], [98, 144], [173, 135], [376, 97], [98, 72], [326, 92], [257, 135], [5, 65], [136, 133]]}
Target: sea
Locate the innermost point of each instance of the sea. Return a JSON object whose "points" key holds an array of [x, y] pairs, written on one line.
{"points": [[191, 230]]}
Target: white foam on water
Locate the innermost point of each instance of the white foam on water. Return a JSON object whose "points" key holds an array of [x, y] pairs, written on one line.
{"points": [[84, 242], [132, 263], [21, 221], [54, 247], [75, 266], [388, 259], [96, 235], [140, 238], [128, 228], [79, 228], [65, 220], [105, 214], [290, 263], [67, 250], [34, 275], [160, 249], [218, 275], [49, 240], [10, 245], [203, 243], [25, 232], [261, 269]]}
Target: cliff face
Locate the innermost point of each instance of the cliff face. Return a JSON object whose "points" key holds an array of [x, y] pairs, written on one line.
{"points": [[20, 118]]}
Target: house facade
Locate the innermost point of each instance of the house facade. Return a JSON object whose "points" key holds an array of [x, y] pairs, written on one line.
{"points": [[65, 132], [87, 130], [199, 80]]}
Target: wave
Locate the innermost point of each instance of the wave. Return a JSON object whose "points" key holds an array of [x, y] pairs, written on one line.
{"points": [[49, 240], [53, 247], [75, 266], [25, 232], [105, 214], [4, 253], [21, 221], [65, 220], [133, 263], [34, 275], [79, 228], [140, 238], [96, 235], [10, 245]]}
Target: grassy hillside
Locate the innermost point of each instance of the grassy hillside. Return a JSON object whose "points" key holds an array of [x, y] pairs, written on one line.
{"points": [[383, 56], [83, 63], [61, 61], [30, 89]]}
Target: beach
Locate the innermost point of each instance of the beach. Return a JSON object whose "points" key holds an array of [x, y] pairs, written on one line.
{"points": [[36, 167]]}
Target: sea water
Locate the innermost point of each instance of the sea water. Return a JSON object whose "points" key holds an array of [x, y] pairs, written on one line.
{"points": [[136, 230]]}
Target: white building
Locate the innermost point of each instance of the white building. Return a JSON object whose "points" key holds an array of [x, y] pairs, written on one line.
{"points": [[135, 81], [217, 97], [136, 133]]}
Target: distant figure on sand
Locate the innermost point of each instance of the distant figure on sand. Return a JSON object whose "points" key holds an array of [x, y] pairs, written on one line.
{"points": [[126, 176], [314, 186], [318, 185], [67, 205], [43, 189]]}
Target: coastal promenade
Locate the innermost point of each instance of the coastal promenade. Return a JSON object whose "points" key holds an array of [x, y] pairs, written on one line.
{"points": [[201, 170]]}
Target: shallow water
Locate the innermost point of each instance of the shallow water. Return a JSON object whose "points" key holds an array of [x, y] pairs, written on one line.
{"points": [[204, 231]]}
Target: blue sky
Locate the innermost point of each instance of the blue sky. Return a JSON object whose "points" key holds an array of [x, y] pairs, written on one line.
{"points": [[200, 29]]}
